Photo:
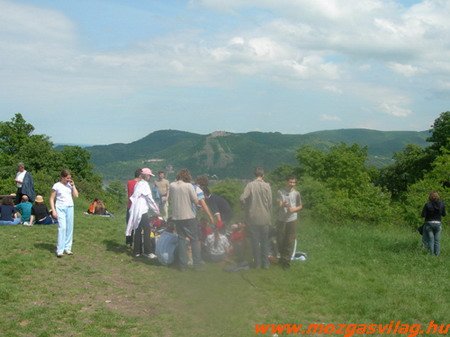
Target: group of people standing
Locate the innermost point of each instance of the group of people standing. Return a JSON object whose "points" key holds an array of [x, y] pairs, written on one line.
{"points": [[257, 202], [187, 198]]}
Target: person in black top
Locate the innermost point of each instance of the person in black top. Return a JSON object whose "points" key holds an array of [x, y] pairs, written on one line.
{"points": [[433, 211], [40, 214]]}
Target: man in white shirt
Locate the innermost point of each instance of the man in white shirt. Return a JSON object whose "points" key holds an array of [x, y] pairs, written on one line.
{"points": [[24, 183]]}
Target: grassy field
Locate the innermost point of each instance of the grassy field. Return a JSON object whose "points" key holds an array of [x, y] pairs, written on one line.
{"points": [[354, 274]]}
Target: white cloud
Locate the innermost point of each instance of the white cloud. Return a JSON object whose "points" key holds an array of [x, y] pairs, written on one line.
{"points": [[405, 69], [363, 49], [334, 89], [329, 118], [394, 110]]}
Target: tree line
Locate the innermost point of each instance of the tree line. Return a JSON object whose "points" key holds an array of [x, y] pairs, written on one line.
{"points": [[18, 143], [337, 185]]}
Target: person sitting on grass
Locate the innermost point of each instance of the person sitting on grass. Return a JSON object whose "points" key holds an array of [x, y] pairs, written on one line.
{"points": [[40, 214], [217, 246], [166, 245], [237, 238], [8, 212], [24, 207]]}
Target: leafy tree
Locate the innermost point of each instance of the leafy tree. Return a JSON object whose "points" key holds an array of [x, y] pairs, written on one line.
{"points": [[413, 162], [19, 144], [14, 134], [77, 160], [311, 162], [337, 185], [342, 167], [278, 176], [438, 179], [231, 190], [409, 167], [440, 136]]}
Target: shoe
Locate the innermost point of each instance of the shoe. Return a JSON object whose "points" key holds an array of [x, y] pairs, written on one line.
{"points": [[150, 256], [137, 255], [68, 252], [27, 224], [59, 255]]}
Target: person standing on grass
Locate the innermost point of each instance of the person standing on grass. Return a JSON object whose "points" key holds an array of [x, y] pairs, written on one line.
{"points": [[433, 211], [130, 189], [257, 202], [289, 203], [62, 208], [143, 207], [24, 183], [163, 188], [184, 198]]}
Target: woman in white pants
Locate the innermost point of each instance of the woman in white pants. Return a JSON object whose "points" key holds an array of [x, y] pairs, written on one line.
{"points": [[61, 203]]}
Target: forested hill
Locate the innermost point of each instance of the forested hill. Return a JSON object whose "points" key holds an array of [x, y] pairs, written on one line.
{"points": [[234, 155]]}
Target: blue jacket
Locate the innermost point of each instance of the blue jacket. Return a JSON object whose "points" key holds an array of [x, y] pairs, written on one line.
{"points": [[28, 187]]}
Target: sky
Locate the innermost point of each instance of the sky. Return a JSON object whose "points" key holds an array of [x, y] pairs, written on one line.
{"points": [[113, 71]]}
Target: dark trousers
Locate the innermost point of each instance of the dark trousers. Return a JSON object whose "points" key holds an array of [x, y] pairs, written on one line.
{"points": [[188, 230], [19, 195], [142, 236], [286, 234], [259, 236]]}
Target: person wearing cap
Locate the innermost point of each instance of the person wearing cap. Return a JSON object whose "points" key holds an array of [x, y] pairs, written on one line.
{"points": [[40, 214], [143, 207]]}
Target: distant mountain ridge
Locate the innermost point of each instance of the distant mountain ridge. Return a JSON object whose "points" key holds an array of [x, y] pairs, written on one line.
{"points": [[234, 155]]}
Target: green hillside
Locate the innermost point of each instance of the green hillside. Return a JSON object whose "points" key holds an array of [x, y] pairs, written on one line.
{"points": [[234, 155]]}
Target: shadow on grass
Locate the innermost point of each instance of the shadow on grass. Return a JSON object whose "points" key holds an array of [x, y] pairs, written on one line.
{"points": [[401, 246], [114, 246], [45, 246]]}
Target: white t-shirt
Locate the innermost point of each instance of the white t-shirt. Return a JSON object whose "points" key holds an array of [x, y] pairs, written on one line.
{"points": [[19, 177], [63, 194], [222, 244]]}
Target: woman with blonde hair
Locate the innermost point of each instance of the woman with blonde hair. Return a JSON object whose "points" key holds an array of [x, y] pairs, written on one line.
{"points": [[433, 211]]}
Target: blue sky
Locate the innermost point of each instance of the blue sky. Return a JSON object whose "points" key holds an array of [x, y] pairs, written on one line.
{"points": [[113, 71]]}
